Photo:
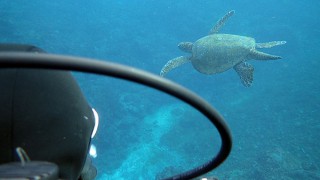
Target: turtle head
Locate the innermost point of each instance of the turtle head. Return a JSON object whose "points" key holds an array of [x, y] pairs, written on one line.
{"points": [[185, 46]]}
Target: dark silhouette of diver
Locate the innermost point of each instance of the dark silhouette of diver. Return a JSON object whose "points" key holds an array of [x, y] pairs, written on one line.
{"points": [[46, 118]]}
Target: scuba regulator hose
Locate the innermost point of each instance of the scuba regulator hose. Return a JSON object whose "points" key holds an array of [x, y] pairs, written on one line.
{"points": [[59, 62]]}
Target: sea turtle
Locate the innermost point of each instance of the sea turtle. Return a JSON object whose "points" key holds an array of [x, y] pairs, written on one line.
{"points": [[216, 53]]}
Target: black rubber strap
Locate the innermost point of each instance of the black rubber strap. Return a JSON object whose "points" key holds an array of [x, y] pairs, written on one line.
{"points": [[19, 48], [47, 61]]}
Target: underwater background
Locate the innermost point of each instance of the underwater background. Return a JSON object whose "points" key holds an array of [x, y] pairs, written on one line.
{"points": [[144, 134]]}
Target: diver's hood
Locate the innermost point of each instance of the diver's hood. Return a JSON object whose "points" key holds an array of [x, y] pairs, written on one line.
{"points": [[45, 113]]}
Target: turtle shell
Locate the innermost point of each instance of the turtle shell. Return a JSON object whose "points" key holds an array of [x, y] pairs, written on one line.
{"points": [[217, 53]]}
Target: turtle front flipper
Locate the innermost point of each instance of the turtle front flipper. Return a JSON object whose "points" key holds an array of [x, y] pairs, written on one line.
{"points": [[270, 44], [221, 22], [176, 62], [245, 71]]}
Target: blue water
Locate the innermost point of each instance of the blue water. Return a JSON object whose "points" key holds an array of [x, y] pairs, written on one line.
{"points": [[144, 134]]}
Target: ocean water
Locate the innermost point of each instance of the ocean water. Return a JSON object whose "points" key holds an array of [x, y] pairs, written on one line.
{"points": [[145, 134]]}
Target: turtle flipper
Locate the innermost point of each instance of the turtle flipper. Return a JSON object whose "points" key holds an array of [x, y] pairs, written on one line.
{"points": [[176, 62], [257, 55], [245, 71], [221, 22], [270, 44]]}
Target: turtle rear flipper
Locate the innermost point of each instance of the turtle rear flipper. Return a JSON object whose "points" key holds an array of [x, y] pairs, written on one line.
{"points": [[270, 44], [257, 55], [176, 62], [221, 22], [245, 71]]}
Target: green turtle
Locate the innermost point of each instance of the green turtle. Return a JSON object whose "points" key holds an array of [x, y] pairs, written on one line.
{"points": [[216, 53]]}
